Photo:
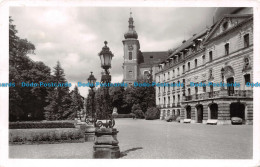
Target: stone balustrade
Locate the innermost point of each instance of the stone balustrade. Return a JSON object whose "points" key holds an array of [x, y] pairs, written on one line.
{"points": [[220, 93]]}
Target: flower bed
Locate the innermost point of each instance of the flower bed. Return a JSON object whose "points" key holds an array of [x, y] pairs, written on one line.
{"points": [[45, 136], [42, 125]]}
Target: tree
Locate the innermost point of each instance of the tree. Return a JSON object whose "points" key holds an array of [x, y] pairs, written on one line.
{"points": [[117, 98], [59, 98], [76, 104], [25, 103]]}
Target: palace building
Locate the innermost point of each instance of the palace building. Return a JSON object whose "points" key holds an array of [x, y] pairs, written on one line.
{"points": [[222, 53], [137, 64]]}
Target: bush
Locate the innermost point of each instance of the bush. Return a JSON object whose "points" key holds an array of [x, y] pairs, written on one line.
{"points": [[42, 125], [45, 136], [152, 113], [139, 114], [135, 107], [136, 110]]}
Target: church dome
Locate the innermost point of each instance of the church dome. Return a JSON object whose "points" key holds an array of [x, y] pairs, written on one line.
{"points": [[131, 33]]}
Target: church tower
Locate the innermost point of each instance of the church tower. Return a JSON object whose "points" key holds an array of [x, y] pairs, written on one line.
{"points": [[131, 51]]}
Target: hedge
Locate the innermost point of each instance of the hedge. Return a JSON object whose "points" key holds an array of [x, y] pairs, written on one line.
{"points": [[42, 125], [45, 136], [124, 116]]}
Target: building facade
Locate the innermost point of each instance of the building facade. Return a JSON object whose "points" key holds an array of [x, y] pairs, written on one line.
{"points": [[220, 54], [137, 64]]}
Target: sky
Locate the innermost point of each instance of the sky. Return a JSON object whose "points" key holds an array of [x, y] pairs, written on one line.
{"points": [[75, 35]]}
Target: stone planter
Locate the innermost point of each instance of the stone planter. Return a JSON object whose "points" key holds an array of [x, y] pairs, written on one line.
{"points": [[90, 133], [106, 144]]}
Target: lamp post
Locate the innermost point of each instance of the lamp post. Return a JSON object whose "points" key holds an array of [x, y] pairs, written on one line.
{"points": [[90, 128], [106, 143], [92, 82], [106, 58]]}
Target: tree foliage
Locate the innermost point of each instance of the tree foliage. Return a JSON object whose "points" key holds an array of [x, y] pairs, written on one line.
{"points": [[127, 100], [25, 103]]}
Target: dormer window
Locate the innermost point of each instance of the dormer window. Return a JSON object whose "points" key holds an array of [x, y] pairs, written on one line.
{"points": [[225, 26], [227, 49], [246, 40], [210, 56]]}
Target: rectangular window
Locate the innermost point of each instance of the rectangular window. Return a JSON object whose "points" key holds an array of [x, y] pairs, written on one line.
{"points": [[196, 62], [204, 89], [188, 66], [168, 75], [210, 56], [211, 88], [130, 56], [196, 90], [183, 68], [247, 78], [173, 73], [188, 91], [178, 71], [246, 40], [227, 49]]}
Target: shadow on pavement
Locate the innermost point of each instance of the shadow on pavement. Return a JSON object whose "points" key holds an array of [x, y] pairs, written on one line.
{"points": [[124, 153]]}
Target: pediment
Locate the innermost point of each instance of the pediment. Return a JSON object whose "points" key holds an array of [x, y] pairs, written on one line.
{"points": [[227, 23]]}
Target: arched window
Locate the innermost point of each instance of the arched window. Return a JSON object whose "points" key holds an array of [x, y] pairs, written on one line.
{"points": [[130, 56], [196, 62]]}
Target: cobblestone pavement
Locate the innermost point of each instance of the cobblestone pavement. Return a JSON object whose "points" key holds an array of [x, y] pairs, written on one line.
{"points": [[142, 139]]}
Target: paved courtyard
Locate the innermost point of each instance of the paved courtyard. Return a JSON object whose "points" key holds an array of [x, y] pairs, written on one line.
{"points": [[142, 139]]}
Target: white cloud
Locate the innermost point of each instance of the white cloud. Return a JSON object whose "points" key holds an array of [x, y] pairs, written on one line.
{"points": [[75, 35]]}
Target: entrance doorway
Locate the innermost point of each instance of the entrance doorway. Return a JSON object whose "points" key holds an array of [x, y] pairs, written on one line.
{"points": [[188, 112], [213, 111], [237, 110], [199, 113]]}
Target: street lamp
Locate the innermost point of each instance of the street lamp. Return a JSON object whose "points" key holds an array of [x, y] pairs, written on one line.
{"points": [[92, 82], [106, 143], [106, 57]]}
